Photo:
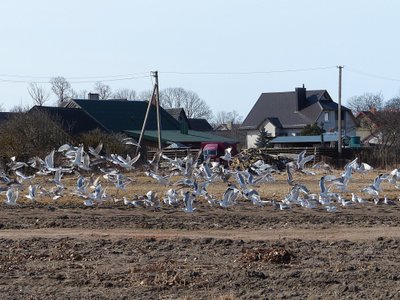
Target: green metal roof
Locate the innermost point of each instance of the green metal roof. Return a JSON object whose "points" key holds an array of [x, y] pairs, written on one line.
{"points": [[328, 137], [120, 115], [171, 136]]}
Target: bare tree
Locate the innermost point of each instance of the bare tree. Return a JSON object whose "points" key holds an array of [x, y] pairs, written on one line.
{"points": [[125, 94], [173, 97], [366, 102], [146, 95], [73, 94], [194, 106], [20, 108], [384, 126], [103, 90], [82, 94], [62, 88], [224, 117], [393, 104], [38, 94]]}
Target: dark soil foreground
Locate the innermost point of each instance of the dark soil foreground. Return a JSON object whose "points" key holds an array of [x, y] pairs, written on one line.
{"points": [[243, 253]]}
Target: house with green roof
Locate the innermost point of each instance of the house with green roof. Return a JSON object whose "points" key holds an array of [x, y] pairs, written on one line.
{"points": [[123, 116]]}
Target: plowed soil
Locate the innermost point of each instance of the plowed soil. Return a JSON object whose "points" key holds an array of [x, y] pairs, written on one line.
{"points": [[63, 250]]}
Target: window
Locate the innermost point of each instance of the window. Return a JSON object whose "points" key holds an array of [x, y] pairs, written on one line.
{"points": [[211, 152], [326, 117]]}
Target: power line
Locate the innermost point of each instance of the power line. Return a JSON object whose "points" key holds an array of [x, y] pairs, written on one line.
{"points": [[13, 78], [353, 70], [248, 73], [74, 77], [75, 82], [117, 79]]}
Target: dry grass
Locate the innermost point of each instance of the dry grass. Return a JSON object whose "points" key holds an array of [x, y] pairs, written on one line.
{"points": [[269, 255], [141, 184]]}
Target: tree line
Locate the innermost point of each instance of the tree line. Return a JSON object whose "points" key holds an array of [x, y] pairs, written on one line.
{"points": [[382, 120], [175, 97]]}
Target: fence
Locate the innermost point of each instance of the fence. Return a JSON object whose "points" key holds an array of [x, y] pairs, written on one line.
{"points": [[172, 153], [378, 158]]}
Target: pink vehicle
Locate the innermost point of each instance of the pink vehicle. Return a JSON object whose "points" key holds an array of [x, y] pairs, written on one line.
{"points": [[215, 150]]}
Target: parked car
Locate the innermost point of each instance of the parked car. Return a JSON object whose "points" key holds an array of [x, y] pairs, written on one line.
{"points": [[215, 150]]}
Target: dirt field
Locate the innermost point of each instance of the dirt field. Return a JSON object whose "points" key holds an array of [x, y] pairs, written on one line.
{"points": [[64, 250]]}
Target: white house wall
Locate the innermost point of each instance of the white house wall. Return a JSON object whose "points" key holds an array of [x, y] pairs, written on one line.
{"points": [[271, 129], [251, 138], [252, 135]]}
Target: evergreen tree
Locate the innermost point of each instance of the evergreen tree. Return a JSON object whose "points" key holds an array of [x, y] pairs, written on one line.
{"points": [[313, 129], [263, 139]]}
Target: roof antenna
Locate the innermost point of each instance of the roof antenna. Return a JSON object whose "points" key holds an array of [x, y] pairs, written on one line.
{"points": [[303, 86]]}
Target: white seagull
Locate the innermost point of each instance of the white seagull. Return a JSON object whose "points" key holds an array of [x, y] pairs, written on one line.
{"points": [[12, 196]]}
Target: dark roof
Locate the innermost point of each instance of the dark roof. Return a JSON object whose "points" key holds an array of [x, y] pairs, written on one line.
{"points": [[275, 122], [73, 120], [117, 115], [200, 125], [284, 107], [177, 113], [5, 116]]}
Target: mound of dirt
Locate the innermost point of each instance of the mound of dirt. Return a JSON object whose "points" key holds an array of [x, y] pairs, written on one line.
{"points": [[269, 255], [248, 157]]}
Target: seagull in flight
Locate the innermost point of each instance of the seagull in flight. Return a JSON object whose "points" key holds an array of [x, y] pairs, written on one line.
{"points": [[227, 156], [12, 196], [188, 200], [32, 192]]}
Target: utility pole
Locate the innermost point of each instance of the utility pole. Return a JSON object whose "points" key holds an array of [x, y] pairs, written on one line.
{"points": [[155, 99], [340, 113], [145, 120], [157, 91]]}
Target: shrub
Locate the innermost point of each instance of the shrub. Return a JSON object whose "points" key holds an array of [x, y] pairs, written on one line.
{"points": [[111, 142], [28, 134]]}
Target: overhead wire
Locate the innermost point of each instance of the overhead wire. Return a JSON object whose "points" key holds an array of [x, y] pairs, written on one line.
{"points": [[13, 78], [74, 77], [357, 71], [76, 82], [249, 72]]}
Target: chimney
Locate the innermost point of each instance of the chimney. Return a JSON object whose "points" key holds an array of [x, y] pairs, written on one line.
{"points": [[301, 98], [184, 127], [93, 96], [229, 125]]}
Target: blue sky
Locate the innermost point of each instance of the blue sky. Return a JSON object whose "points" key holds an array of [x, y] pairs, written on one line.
{"points": [[41, 39]]}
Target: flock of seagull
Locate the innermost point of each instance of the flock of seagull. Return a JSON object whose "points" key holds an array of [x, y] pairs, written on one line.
{"points": [[194, 178]]}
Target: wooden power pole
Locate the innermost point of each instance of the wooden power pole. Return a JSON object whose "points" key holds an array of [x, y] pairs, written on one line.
{"points": [[340, 112], [155, 99], [157, 90]]}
